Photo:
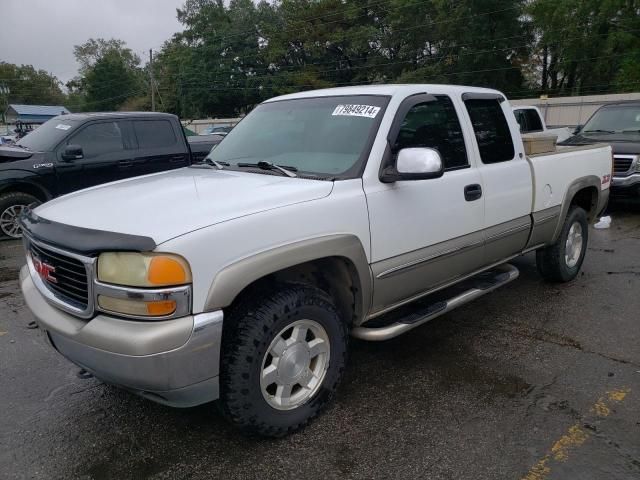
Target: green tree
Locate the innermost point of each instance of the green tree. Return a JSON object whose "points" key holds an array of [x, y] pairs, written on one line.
{"points": [[25, 84], [221, 54], [110, 75], [481, 43], [230, 56], [586, 46]]}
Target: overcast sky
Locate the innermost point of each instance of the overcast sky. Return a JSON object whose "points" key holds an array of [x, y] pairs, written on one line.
{"points": [[42, 33]]}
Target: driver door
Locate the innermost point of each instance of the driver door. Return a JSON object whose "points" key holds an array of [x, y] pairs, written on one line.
{"points": [[104, 151], [425, 233]]}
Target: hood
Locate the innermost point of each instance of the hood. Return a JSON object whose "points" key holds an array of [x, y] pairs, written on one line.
{"points": [[9, 153], [165, 205], [623, 144]]}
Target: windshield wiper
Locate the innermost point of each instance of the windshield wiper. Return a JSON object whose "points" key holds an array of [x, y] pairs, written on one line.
{"points": [[210, 163], [598, 131], [285, 169], [218, 165]]}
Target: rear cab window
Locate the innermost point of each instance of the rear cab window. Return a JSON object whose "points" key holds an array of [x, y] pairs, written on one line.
{"points": [[529, 120], [491, 130], [153, 134]]}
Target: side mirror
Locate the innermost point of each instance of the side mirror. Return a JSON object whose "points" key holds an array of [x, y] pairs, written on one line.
{"points": [[577, 129], [72, 152], [414, 164]]}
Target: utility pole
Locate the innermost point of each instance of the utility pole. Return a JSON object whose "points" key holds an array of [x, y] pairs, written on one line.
{"points": [[152, 82], [4, 91]]}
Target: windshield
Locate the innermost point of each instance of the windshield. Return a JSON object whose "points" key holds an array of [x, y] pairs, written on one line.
{"points": [[325, 136], [615, 119], [48, 135]]}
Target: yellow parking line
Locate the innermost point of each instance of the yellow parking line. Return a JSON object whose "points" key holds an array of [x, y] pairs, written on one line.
{"points": [[574, 437]]}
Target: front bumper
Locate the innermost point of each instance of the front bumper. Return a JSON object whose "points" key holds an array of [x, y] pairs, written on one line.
{"points": [[625, 182], [174, 362]]}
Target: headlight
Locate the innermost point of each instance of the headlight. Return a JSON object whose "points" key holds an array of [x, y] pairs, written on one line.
{"points": [[143, 269], [137, 308], [144, 285]]}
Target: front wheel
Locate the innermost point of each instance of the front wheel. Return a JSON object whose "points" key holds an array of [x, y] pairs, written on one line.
{"points": [[283, 357], [562, 261], [12, 206]]}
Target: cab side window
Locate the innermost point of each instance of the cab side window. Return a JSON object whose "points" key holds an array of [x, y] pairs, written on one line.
{"points": [[98, 139], [435, 125], [154, 134], [491, 130]]}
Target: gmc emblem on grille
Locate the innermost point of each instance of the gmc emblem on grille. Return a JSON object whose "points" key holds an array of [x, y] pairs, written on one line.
{"points": [[45, 270]]}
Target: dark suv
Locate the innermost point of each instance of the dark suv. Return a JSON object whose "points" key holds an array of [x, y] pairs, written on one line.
{"points": [[619, 125]]}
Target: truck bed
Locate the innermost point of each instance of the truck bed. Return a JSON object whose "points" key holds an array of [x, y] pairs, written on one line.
{"points": [[554, 172]]}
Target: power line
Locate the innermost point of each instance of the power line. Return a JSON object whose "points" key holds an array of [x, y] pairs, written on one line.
{"points": [[226, 86], [380, 64], [398, 30], [414, 27], [454, 73], [310, 19]]}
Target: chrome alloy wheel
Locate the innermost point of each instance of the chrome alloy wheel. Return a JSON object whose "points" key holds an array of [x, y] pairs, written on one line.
{"points": [[295, 365], [573, 245], [9, 220]]}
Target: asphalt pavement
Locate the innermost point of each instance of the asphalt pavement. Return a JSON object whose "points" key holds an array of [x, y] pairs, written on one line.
{"points": [[534, 382]]}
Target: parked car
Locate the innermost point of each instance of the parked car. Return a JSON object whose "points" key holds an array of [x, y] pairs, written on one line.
{"points": [[188, 132], [8, 135], [201, 145], [531, 122], [321, 215], [77, 151], [617, 124], [217, 129]]}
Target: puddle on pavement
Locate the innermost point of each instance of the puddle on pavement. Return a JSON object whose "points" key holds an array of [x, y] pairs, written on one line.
{"points": [[506, 385]]}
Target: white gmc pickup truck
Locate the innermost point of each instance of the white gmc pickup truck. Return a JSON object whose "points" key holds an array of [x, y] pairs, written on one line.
{"points": [[318, 217]]}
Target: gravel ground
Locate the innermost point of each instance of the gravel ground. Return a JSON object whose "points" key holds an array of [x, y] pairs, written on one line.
{"points": [[534, 381]]}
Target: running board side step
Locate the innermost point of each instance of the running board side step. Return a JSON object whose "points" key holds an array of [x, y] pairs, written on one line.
{"points": [[480, 285]]}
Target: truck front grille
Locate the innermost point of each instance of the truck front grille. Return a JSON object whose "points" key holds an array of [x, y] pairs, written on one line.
{"points": [[64, 276], [622, 165]]}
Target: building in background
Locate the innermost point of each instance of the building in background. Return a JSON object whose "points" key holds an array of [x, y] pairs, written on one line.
{"points": [[573, 111], [32, 114], [21, 119]]}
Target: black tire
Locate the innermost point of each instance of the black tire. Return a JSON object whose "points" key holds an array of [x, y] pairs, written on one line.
{"points": [[551, 261], [13, 199], [249, 330]]}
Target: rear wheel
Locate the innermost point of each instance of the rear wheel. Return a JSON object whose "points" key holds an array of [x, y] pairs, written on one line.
{"points": [[283, 357], [562, 261], [12, 206]]}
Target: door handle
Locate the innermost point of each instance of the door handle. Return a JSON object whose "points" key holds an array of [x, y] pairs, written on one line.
{"points": [[125, 164], [472, 192], [177, 159]]}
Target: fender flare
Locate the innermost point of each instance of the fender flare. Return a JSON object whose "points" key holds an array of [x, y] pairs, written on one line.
{"points": [[575, 187], [235, 277], [15, 183]]}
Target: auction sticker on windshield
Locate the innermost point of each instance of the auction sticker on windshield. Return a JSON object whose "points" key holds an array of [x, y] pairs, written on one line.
{"points": [[368, 111]]}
